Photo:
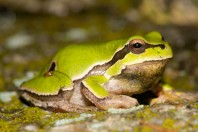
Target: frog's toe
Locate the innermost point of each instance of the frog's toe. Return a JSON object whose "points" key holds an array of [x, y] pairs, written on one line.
{"points": [[167, 97]]}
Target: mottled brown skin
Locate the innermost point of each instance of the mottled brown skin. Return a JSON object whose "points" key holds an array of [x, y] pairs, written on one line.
{"points": [[64, 101], [134, 79]]}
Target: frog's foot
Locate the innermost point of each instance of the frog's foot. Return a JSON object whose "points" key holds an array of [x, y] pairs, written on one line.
{"points": [[168, 96], [57, 105], [112, 101]]}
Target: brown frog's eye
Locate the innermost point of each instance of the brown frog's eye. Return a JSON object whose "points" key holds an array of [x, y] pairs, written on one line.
{"points": [[51, 69], [137, 46]]}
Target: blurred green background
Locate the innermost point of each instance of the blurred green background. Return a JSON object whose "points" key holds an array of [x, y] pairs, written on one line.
{"points": [[31, 31]]}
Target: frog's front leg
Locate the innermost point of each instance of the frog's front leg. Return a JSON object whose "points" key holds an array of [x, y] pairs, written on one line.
{"points": [[165, 93], [96, 93]]}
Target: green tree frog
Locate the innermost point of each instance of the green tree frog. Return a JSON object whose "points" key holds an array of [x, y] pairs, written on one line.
{"points": [[89, 76]]}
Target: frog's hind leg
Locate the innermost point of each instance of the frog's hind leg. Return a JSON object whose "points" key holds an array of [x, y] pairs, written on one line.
{"points": [[57, 105], [111, 101], [95, 92]]}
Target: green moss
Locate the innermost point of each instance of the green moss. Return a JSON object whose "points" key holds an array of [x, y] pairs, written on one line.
{"points": [[143, 128], [30, 115], [146, 129], [100, 115], [10, 106], [195, 126], [6, 126], [168, 123], [145, 114], [15, 115], [195, 105], [14, 118]]}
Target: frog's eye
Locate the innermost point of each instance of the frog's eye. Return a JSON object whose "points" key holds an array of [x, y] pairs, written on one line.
{"points": [[51, 69], [137, 46]]}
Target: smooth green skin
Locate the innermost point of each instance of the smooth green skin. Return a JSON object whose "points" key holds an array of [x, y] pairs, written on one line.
{"points": [[48, 85], [76, 60]]}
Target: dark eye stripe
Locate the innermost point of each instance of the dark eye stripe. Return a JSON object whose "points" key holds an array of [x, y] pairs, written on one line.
{"points": [[138, 46], [162, 46]]}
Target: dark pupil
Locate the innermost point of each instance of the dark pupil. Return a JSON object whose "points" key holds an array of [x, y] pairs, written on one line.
{"points": [[137, 45]]}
